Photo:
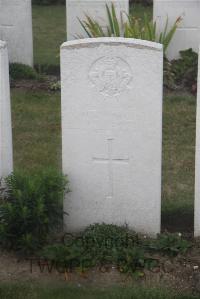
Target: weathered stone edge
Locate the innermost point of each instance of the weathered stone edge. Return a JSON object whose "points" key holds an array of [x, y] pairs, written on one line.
{"points": [[116, 41]]}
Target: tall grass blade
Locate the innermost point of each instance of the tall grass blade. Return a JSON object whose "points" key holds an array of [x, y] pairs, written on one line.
{"points": [[115, 21], [111, 29]]}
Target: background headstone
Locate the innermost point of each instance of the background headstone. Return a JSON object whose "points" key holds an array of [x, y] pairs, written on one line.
{"points": [[16, 29], [188, 34], [197, 163], [95, 9], [112, 132], [6, 156]]}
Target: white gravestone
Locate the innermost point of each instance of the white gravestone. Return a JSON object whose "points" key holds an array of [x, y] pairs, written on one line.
{"points": [[197, 162], [111, 132], [95, 9], [6, 156], [16, 29], [188, 33]]}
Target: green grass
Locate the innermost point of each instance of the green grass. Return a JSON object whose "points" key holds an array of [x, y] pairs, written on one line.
{"points": [[64, 292], [178, 147], [36, 130], [49, 30], [138, 10], [178, 159]]}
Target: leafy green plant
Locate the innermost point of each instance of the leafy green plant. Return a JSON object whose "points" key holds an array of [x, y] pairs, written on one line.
{"points": [[109, 235], [21, 71], [67, 258], [134, 260], [132, 28], [107, 245], [182, 72], [147, 30], [30, 209], [185, 68], [102, 245], [170, 244]]}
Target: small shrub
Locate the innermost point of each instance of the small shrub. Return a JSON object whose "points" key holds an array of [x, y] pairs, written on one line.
{"points": [[185, 68], [101, 245], [182, 73], [170, 244], [30, 209], [20, 71]]}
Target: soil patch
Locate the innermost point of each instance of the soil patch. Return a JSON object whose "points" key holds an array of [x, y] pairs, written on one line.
{"points": [[181, 273]]}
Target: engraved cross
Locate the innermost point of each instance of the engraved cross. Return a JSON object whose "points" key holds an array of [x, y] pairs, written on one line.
{"points": [[4, 26], [110, 161]]}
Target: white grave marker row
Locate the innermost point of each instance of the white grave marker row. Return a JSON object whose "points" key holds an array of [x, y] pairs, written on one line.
{"points": [[197, 162], [16, 29]]}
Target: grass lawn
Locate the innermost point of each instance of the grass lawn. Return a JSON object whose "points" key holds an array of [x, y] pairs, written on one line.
{"points": [[179, 122], [138, 10], [60, 292], [49, 31], [36, 130]]}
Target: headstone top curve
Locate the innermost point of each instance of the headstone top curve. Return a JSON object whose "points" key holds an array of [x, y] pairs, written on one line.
{"points": [[130, 42]]}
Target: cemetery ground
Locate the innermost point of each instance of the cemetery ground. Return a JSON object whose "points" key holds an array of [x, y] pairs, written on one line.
{"points": [[37, 145], [178, 121]]}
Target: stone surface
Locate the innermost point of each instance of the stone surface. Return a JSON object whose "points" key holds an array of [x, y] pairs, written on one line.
{"points": [[188, 33], [95, 9], [6, 156], [111, 132], [197, 163], [16, 29]]}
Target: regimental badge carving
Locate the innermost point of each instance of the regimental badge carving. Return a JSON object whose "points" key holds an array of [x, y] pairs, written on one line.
{"points": [[110, 75]]}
